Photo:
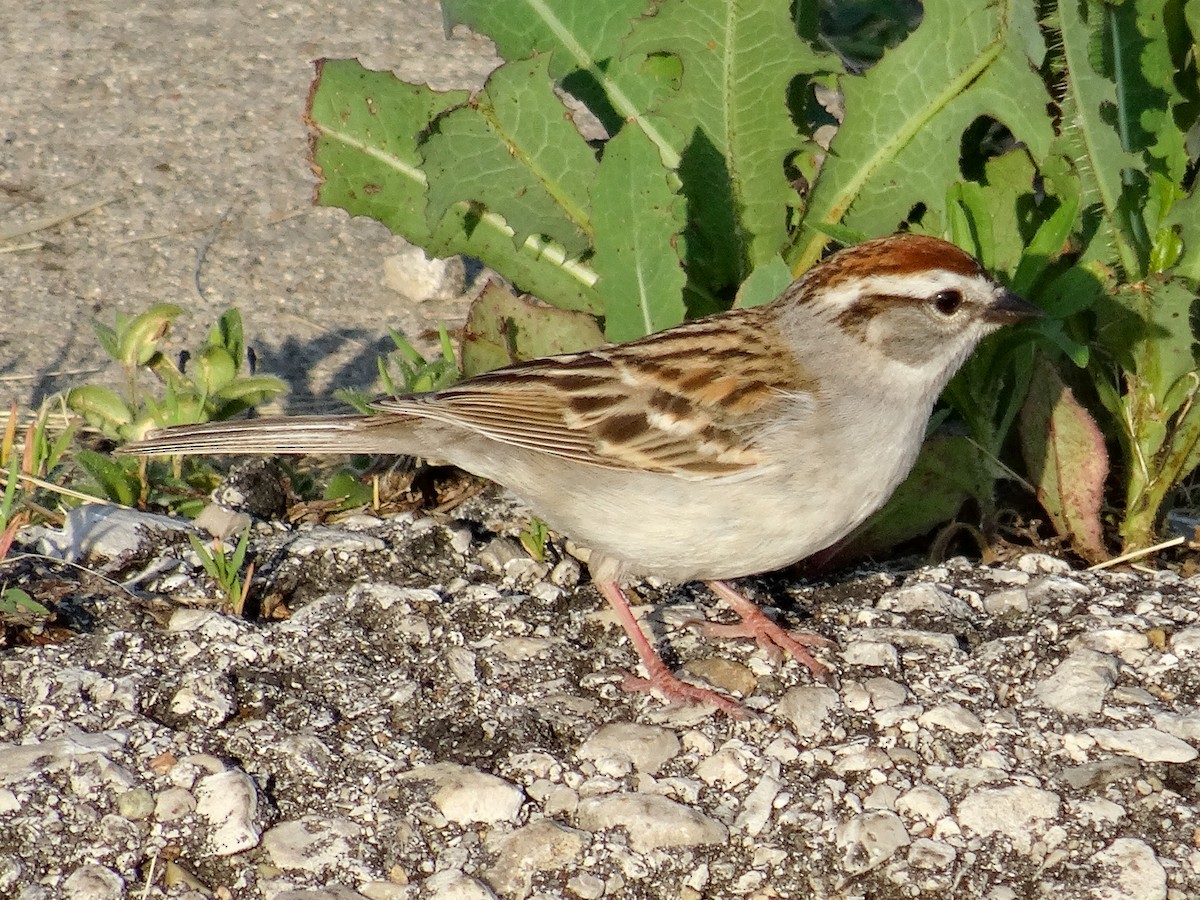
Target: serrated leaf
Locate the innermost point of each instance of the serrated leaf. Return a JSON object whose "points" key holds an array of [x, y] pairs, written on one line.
{"points": [[1066, 460], [367, 127], [514, 151], [765, 283], [503, 328], [899, 143], [1090, 138], [638, 219], [738, 62], [583, 38]]}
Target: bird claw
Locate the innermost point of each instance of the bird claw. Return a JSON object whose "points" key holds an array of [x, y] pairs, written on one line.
{"points": [[674, 690]]}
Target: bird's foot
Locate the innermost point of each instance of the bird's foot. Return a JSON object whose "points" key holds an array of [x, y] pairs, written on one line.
{"points": [[664, 683], [773, 638], [661, 680]]}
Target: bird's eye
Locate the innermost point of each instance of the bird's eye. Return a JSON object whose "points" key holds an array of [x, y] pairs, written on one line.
{"points": [[947, 302]]}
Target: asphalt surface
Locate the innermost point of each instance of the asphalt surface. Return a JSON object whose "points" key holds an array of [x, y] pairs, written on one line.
{"points": [[152, 152]]}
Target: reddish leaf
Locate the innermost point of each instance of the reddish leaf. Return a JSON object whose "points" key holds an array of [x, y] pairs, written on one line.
{"points": [[1066, 459]]}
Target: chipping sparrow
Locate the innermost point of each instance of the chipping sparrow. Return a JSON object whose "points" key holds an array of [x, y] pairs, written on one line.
{"points": [[723, 447]]}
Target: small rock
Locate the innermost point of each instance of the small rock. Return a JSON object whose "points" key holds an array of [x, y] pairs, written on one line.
{"points": [[807, 708], [870, 839], [653, 822], [926, 598], [885, 693], [1080, 683], [1009, 811], [929, 854], [726, 675], [541, 846], [871, 653], [173, 804], [757, 807], [464, 794], [415, 276], [208, 698], [1146, 744], [93, 882], [312, 843], [452, 884], [1043, 564], [228, 801], [1011, 602], [645, 747], [1129, 870], [136, 804], [953, 717]]}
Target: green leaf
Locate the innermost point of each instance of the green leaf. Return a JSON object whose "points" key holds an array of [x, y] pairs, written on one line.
{"points": [[583, 40], [899, 143], [738, 62], [765, 283], [515, 152], [100, 406], [1091, 137], [503, 328], [113, 480], [367, 129], [638, 218], [139, 338], [1066, 460]]}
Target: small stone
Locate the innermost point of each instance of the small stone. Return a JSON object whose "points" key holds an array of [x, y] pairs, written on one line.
{"points": [[541, 846], [312, 844], [136, 804], [228, 801], [652, 822], [953, 717], [726, 675], [885, 693], [417, 277], [1043, 564], [208, 698], [452, 884], [173, 804], [757, 807], [1080, 683], [93, 882], [1009, 811], [586, 887], [726, 767], [807, 708], [1186, 642], [464, 794], [1121, 642], [870, 653], [1129, 870], [1146, 744], [1010, 602], [870, 839], [645, 747], [924, 598], [929, 854]]}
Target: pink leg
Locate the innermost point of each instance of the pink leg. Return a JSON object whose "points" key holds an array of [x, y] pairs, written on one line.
{"points": [[661, 679], [770, 636]]}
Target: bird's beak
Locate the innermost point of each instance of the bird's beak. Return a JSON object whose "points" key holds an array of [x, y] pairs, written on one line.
{"points": [[1008, 308]]}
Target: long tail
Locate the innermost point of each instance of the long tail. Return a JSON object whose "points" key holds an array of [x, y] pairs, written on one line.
{"points": [[285, 434]]}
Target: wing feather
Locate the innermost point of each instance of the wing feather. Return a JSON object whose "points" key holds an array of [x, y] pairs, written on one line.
{"points": [[688, 401]]}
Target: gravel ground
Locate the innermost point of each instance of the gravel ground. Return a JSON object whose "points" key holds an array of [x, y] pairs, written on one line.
{"points": [[441, 716], [426, 711]]}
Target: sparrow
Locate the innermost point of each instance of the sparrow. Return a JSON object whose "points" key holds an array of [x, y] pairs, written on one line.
{"points": [[724, 447]]}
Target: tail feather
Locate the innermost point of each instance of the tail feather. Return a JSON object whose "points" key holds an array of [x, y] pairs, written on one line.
{"points": [[284, 434]]}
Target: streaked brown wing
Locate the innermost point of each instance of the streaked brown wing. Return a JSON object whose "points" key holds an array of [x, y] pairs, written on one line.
{"points": [[686, 401]]}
